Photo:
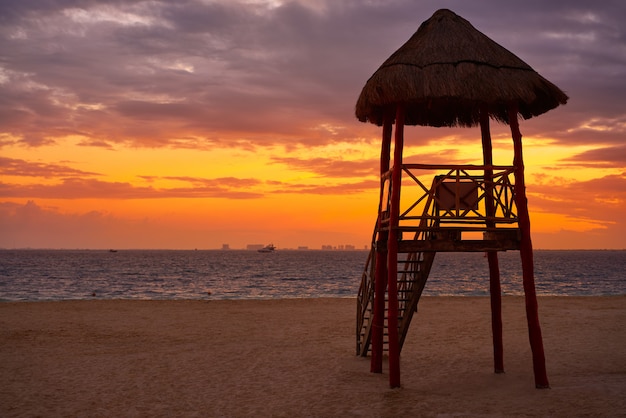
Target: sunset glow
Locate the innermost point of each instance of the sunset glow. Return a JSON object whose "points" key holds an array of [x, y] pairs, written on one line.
{"points": [[194, 124]]}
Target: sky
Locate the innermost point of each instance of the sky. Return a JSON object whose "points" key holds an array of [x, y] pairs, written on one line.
{"points": [[193, 124]]}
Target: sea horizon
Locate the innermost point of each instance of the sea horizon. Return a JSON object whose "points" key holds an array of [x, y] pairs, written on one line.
{"points": [[246, 249], [41, 274]]}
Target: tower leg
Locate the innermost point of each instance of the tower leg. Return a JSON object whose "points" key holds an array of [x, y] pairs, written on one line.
{"points": [[378, 325], [496, 311], [392, 255], [380, 279], [492, 256], [526, 252]]}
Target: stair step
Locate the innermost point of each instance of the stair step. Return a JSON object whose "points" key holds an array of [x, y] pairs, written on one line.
{"points": [[412, 273]]}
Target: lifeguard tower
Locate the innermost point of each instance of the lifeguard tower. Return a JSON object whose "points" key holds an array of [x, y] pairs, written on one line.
{"points": [[447, 74]]}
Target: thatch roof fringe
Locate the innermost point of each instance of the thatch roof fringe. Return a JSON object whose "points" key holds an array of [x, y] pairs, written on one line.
{"points": [[447, 71], [410, 64]]}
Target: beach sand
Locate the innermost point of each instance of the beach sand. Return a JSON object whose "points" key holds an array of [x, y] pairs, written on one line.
{"points": [[297, 357]]}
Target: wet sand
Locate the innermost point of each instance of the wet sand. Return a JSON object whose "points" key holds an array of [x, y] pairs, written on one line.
{"points": [[297, 358]]}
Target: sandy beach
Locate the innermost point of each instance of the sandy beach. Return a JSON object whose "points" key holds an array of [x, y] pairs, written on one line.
{"points": [[297, 358]]}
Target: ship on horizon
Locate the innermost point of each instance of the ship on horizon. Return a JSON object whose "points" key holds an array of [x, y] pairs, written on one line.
{"points": [[267, 249]]}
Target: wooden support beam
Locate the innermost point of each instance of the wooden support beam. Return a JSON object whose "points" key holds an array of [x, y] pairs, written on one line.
{"points": [[476, 246], [392, 252], [526, 252], [492, 256], [380, 278]]}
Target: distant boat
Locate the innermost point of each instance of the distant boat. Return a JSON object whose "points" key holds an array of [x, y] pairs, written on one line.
{"points": [[267, 249], [112, 251]]}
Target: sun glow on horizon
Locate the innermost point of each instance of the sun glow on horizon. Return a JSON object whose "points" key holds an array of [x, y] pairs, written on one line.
{"points": [[263, 189]]}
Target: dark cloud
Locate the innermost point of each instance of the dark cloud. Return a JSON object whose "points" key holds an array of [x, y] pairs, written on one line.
{"points": [[91, 142], [154, 73], [607, 188], [332, 189], [73, 184], [36, 225], [22, 168], [609, 157], [80, 188], [329, 167], [598, 200]]}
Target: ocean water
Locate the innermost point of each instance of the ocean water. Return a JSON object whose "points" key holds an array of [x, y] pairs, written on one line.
{"points": [[36, 275]]}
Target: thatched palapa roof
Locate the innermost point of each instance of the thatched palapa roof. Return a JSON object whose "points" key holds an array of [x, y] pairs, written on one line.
{"points": [[447, 71]]}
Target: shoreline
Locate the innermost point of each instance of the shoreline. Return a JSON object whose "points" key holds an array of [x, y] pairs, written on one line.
{"points": [[296, 357], [217, 298]]}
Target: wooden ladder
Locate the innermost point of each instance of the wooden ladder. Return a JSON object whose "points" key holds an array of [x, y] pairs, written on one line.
{"points": [[413, 271]]}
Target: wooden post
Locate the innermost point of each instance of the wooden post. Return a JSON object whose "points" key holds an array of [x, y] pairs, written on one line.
{"points": [[526, 252], [380, 279], [392, 252], [492, 256]]}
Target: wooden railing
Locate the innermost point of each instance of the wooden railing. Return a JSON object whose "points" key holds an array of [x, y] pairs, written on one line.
{"points": [[365, 300], [457, 197]]}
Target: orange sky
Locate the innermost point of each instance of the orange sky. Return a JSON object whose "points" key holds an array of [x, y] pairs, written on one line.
{"points": [[195, 124]]}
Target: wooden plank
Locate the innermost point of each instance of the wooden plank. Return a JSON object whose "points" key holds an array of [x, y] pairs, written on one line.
{"points": [[409, 246], [503, 235], [466, 167]]}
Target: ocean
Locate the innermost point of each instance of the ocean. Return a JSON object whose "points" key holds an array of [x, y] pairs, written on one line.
{"points": [[39, 275]]}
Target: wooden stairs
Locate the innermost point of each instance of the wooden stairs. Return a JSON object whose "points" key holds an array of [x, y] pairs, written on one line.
{"points": [[453, 205], [413, 271]]}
